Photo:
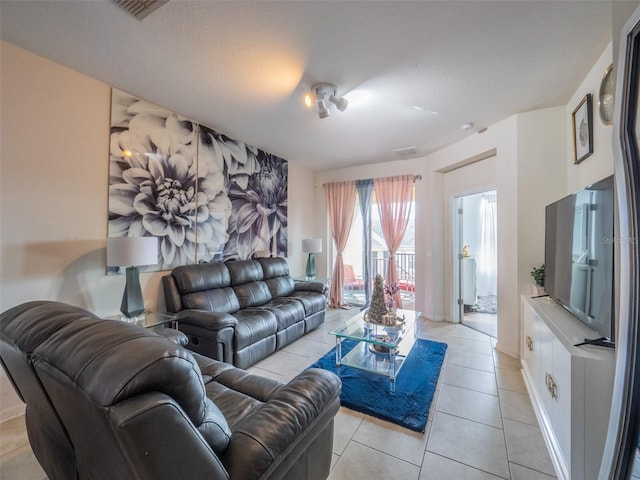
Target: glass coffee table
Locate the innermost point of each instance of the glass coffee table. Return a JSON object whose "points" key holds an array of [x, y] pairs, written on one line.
{"points": [[382, 349]]}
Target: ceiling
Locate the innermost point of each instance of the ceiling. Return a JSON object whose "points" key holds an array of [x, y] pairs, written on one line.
{"points": [[413, 72]]}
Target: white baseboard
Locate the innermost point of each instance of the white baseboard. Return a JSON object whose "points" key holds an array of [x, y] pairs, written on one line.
{"points": [[508, 351]]}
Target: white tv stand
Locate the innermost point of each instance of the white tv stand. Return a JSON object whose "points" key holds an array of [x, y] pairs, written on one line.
{"points": [[570, 387]]}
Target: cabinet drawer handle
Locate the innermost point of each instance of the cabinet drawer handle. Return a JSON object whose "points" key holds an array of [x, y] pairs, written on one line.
{"points": [[551, 385]]}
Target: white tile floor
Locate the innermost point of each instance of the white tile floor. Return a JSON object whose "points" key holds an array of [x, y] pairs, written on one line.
{"points": [[481, 425], [483, 322]]}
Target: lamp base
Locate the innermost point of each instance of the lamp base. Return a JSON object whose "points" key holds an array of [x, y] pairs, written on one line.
{"points": [[311, 266], [132, 303]]}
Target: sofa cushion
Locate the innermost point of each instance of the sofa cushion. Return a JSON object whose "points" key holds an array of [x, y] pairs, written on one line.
{"points": [[200, 277], [221, 300], [254, 324], [286, 310], [273, 267], [280, 286], [252, 294], [312, 302], [244, 271], [236, 392], [275, 273]]}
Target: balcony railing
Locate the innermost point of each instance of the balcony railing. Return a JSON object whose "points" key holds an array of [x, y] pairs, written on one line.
{"points": [[405, 263]]}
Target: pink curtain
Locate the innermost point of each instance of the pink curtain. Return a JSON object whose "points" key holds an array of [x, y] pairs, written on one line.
{"points": [[394, 196], [341, 201]]}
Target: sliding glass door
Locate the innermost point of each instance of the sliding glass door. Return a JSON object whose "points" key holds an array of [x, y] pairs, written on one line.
{"points": [[366, 256]]}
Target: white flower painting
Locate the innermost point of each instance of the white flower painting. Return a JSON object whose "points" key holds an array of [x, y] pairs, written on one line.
{"points": [[202, 194]]}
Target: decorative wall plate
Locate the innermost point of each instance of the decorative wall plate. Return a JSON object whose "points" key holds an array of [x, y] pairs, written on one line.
{"points": [[606, 96]]}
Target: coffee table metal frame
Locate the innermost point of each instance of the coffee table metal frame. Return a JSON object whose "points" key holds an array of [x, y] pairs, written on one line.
{"points": [[382, 349]]}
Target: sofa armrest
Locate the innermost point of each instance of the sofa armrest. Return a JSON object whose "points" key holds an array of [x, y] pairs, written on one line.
{"points": [[172, 335], [210, 320], [293, 416], [318, 287], [209, 333]]}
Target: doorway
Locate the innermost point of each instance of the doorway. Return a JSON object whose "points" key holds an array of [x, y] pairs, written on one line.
{"points": [[475, 245]]}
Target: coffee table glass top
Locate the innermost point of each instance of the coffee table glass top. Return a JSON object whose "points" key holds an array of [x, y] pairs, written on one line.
{"points": [[382, 348], [357, 328]]}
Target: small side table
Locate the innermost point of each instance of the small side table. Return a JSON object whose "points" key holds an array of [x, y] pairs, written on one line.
{"points": [[158, 321], [150, 319], [325, 280]]}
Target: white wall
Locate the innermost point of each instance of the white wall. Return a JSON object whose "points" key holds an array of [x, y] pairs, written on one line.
{"points": [[542, 180], [600, 164], [301, 216], [54, 191]]}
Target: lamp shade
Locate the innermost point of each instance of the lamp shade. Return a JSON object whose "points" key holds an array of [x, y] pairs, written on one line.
{"points": [[312, 245], [130, 251]]}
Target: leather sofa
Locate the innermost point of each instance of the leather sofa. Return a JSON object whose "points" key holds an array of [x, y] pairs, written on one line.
{"points": [[106, 399], [240, 312]]}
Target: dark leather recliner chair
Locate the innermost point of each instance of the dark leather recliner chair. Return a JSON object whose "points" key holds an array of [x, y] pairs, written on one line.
{"points": [[106, 399]]}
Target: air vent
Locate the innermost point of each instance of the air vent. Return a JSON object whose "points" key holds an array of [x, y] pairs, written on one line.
{"points": [[405, 152], [140, 9]]}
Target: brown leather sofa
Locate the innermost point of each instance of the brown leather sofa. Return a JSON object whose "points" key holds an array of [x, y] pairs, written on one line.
{"points": [[242, 311], [106, 399]]}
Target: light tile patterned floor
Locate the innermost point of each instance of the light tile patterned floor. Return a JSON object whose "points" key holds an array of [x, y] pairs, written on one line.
{"points": [[481, 425]]}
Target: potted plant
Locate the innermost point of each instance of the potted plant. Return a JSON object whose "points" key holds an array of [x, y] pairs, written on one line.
{"points": [[538, 279]]}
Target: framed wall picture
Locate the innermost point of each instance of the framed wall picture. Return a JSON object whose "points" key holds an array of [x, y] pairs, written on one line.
{"points": [[582, 119]]}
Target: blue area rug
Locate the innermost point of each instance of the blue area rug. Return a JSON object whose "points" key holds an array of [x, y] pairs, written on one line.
{"points": [[415, 385]]}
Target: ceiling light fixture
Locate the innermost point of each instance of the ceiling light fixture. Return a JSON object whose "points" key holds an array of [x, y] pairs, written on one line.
{"points": [[323, 93]]}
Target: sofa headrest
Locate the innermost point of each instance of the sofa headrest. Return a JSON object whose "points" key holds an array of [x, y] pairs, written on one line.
{"points": [[201, 277], [244, 271], [28, 325], [274, 267]]}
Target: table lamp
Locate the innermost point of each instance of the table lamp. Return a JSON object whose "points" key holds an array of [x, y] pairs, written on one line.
{"points": [[311, 246], [132, 252]]}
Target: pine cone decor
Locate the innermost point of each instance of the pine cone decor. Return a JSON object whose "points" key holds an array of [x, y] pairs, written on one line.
{"points": [[378, 307]]}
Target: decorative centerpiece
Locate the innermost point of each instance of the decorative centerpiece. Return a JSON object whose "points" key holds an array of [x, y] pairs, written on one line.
{"points": [[381, 348], [378, 307], [383, 311]]}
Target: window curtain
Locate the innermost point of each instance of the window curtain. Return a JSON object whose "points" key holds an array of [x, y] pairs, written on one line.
{"points": [[394, 196], [341, 202], [365, 191], [487, 253]]}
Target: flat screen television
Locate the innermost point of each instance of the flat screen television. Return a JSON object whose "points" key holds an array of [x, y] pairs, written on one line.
{"points": [[579, 256]]}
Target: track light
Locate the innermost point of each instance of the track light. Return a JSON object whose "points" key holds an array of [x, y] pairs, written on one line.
{"points": [[324, 92], [340, 103], [323, 111], [308, 100]]}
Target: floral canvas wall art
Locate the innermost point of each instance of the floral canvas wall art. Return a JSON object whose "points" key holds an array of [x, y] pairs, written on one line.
{"points": [[203, 194]]}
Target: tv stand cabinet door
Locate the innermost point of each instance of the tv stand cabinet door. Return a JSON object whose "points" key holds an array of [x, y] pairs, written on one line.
{"points": [[568, 411]]}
